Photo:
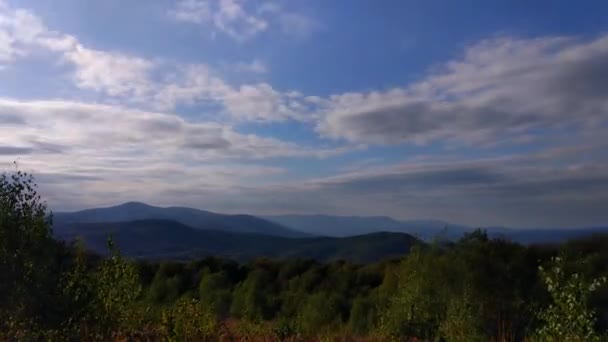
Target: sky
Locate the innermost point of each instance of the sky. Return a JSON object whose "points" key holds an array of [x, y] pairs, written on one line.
{"points": [[473, 112]]}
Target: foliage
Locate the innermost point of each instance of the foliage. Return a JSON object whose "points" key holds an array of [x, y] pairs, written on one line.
{"points": [[118, 287], [362, 316], [417, 307], [79, 292], [320, 311], [165, 287], [568, 316], [252, 299], [188, 320], [215, 292], [27, 251], [473, 290]]}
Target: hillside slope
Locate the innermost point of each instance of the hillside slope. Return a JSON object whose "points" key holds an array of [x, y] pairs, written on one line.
{"points": [[156, 239]]}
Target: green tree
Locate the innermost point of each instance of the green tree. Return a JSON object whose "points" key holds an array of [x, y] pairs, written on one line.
{"points": [[118, 286], [362, 315], [420, 301], [252, 299], [165, 287], [28, 254], [215, 292], [320, 313], [494, 281], [80, 297]]}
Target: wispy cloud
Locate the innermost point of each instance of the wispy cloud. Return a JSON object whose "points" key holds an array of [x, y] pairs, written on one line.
{"points": [[115, 131], [156, 84], [123, 147], [110, 73], [242, 20], [501, 88], [226, 16]]}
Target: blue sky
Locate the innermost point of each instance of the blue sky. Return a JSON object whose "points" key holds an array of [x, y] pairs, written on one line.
{"points": [[475, 112]]}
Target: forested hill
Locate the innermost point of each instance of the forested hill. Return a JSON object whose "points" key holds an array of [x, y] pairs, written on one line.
{"points": [[164, 239]]}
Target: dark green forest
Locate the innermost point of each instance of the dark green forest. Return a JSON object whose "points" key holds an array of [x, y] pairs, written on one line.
{"points": [[474, 289]]}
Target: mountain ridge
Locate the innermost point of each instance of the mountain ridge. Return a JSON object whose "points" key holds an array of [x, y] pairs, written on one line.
{"points": [[195, 218], [154, 239], [341, 226], [304, 226]]}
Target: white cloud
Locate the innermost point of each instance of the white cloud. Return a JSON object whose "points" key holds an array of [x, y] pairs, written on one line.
{"points": [[226, 16], [159, 85], [501, 89], [111, 73], [7, 51], [101, 154], [96, 130], [23, 33], [241, 22], [260, 102], [232, 19], [194, 11], [18, 30], [198, 84]]}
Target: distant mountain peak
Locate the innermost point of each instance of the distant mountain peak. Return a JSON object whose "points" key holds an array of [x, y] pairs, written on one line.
{"points": [[135, 204], [195, 218]]}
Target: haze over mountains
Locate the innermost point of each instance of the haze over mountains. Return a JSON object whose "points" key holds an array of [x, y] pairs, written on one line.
{"points": [[195, 218], [341, 226], [146, 231]]}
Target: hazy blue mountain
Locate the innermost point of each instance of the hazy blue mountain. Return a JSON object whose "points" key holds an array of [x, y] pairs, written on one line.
{"points": [[156, 239], [301, 226], [195, 218], [341, 226], [539, 236]]}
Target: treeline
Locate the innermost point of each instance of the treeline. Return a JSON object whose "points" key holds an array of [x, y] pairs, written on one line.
{"points": [[476, 289]]}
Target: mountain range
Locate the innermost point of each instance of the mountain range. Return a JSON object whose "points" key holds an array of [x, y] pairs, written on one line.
{"points": [[146, 231], [342, 226], [427, 230], [195, 218], [164, 239]]}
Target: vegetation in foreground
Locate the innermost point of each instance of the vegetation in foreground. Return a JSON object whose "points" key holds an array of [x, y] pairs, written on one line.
{"points": [[477, 289]]}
